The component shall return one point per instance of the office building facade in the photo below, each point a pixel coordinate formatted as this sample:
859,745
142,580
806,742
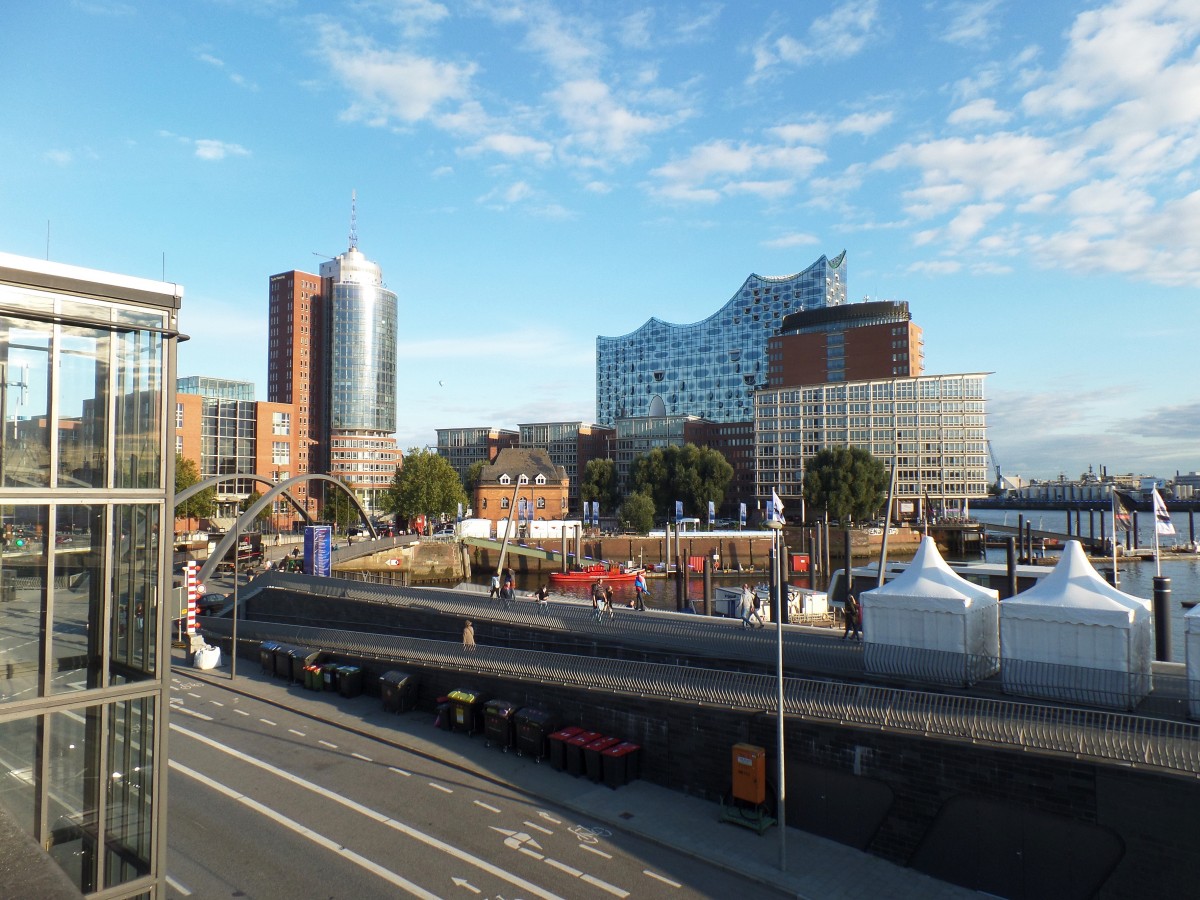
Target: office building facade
570,445
710,368
935,426
463,447
87,361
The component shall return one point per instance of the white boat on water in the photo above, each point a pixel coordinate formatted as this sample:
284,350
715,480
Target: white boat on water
801,602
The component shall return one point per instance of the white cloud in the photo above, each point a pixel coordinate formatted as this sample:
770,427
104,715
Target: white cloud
841,34
600,125
795,239
724,168
513,145
211,150
979,112
59,157
970,24
936,267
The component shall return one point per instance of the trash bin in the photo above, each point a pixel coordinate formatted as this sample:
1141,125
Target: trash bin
398,692
558,746
266,656
620,763
498,724
591,756
312,677
329,676
301,657
444,718
575,747
465,711
534,727
350,681
283,660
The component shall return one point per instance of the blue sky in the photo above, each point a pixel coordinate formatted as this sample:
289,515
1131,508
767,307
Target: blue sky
533,174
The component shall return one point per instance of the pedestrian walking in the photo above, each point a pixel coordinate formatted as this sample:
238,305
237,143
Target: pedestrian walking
640,591
746,605
755,610
852,613
597,598
608,601
543,599
507,591
495,591
468,637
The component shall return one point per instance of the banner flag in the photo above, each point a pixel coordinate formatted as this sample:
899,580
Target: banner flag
712,511
678,511
1162,516
1123,507
777,505
742,514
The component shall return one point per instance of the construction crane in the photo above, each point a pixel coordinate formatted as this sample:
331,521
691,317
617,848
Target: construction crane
998,484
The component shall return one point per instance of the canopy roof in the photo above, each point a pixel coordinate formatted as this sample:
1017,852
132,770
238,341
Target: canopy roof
930,584
1075,592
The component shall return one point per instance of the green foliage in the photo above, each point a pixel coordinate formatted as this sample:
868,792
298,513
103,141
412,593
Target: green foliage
637,513
847,482
471,480
688,473
424,484
600,483
264,514
204,503
339,510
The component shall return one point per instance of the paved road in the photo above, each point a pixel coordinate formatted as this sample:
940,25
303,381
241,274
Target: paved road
265,802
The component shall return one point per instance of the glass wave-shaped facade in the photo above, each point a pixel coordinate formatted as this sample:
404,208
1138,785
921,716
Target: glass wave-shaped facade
363,346
709,368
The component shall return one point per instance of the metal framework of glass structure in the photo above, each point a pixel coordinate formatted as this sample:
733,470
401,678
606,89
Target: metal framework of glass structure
216,388
362,346
87,367
935,425
709,368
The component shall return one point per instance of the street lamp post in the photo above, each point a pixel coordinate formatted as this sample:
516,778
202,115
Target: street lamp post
781,598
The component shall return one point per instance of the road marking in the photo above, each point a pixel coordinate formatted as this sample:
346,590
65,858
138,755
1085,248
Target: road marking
563,867
663,879
192,713
399,771
591,849
327,744
537,828
267,722
297,733
604,885
241,712
386,874
363,758
434,784
463,883
190,694
486,806
216,702
407,830
177,887
549,818
532,853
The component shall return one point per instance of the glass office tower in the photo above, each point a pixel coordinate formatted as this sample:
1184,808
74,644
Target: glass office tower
87,366
710,368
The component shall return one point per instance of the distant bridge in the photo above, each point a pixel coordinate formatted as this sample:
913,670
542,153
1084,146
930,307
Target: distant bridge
1091,544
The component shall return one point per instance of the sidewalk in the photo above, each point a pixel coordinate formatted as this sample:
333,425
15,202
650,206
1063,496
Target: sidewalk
816,868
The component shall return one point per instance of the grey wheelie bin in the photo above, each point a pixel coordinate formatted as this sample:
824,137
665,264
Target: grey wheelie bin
498,724
398,691
534,727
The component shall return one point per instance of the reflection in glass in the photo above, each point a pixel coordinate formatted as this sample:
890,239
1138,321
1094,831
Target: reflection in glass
75,647
23,597
139,379
17,771
134,592
24,392
82,407
72,779
128,837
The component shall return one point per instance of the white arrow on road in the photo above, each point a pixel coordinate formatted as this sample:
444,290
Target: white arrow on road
463,883
515,839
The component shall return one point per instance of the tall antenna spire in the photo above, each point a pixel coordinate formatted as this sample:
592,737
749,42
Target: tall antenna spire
353,220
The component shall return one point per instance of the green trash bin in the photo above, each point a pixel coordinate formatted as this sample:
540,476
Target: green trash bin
350,681
312,677
329,676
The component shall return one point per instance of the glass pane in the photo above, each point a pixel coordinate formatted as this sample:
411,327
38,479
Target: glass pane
78,598
139,382
72,776
22,600
24,393
129,840
135,592
83,407
18,772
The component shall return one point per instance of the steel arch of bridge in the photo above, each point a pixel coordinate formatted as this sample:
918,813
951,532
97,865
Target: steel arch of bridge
251,512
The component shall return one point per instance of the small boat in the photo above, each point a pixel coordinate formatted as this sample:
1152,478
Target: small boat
591,573
727,602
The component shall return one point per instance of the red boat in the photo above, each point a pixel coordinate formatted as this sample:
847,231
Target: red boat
591,573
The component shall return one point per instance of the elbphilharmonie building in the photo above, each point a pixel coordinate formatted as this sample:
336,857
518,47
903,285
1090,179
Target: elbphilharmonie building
709,368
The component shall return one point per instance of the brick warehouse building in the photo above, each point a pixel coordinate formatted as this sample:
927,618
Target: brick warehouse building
530,476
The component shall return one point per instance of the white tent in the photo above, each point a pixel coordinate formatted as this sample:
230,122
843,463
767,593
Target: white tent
1191,649
930,623
1075,637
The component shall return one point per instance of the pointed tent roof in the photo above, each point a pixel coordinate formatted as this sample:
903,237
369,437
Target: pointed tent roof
929,583
1075,592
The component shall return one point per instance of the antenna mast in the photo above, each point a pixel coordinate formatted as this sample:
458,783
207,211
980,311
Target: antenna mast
353,220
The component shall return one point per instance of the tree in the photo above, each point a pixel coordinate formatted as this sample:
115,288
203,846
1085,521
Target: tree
847,482
424,485
202,504
600,483
637,513
689,473
474,471
339,509
264,514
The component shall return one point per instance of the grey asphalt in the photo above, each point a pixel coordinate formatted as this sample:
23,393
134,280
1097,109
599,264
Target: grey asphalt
816,868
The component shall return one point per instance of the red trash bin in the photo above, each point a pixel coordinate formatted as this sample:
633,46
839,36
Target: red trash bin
575,747
591,756
620,763
558,746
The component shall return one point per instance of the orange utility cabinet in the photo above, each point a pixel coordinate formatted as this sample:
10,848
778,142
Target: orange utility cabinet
749,773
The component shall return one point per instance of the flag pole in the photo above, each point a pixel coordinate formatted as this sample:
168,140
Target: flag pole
1116,580
1157,555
